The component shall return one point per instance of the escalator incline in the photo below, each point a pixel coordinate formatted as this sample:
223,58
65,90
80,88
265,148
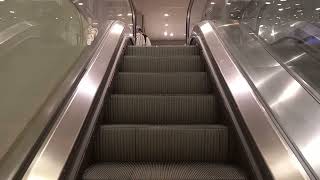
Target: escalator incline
161,121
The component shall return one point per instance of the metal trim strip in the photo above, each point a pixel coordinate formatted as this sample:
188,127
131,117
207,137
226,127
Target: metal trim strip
53,154
282,162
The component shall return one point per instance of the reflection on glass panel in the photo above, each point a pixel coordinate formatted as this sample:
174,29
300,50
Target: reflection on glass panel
40,41
197,12
290,30
102,10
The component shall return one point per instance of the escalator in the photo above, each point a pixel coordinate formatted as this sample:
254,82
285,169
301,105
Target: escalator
163,121
219,107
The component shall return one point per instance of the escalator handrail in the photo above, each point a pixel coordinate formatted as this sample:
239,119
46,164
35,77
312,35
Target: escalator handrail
20,155
188,19
269,141
54,152
134,20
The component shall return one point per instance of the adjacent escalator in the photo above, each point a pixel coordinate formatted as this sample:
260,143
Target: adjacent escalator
163,121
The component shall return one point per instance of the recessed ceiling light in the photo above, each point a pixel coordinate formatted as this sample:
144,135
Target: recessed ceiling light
80,4
119,15
166,14
283,0
129,14
268,2
212,3
165,33
12,12
171,34
281,9
317,9
2,0
166,25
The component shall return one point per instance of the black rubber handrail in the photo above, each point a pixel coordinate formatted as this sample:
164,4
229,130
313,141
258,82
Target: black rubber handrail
134,20
188,20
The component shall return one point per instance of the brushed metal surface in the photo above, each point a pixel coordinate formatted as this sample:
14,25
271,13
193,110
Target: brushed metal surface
280,159
53,154
295,109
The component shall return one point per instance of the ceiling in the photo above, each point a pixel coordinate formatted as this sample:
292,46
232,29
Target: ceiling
155,20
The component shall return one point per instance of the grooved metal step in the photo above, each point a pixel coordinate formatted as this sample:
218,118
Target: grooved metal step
174,143
160,123
162,51
151,109
162,64
156,171
161,83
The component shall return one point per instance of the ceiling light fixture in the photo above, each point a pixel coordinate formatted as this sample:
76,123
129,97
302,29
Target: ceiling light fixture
166,14
213,3
166,25
165,33
119,15
129,14
171,34
80,4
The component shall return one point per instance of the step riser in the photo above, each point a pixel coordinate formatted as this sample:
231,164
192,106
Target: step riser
125,109
159,123
153,83
163,65
157,171
162,51
162,144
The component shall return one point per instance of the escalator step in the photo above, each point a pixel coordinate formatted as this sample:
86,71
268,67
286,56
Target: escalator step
170,143
164,64
161,83
151,109
162,51
156,171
